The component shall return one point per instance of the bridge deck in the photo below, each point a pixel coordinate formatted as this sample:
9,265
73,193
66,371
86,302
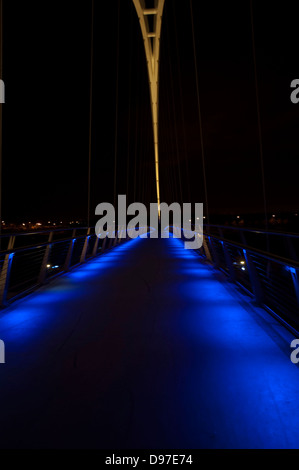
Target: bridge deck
145,347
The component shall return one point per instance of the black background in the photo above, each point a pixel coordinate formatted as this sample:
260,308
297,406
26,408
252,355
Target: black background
46,115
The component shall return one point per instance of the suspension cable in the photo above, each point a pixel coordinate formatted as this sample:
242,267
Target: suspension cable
116,104
175,123
1,111
136,133
130,96
90,110
181,103
259,121
199,116
1,114
170,150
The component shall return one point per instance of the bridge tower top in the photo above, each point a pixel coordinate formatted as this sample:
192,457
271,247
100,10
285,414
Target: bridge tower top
151,38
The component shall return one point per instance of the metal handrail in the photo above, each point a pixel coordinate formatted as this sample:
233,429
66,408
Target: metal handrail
264,254
36,258
41,232
272,280
253,230
41,244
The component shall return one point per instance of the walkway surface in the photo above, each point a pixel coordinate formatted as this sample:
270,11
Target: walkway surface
145,347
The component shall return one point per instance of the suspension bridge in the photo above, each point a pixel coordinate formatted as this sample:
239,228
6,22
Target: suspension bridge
139,343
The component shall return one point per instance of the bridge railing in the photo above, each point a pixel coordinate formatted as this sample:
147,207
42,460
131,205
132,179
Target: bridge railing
271,279
30,260
277,243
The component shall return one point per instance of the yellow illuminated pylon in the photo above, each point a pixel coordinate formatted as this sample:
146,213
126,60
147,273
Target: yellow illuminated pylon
152,52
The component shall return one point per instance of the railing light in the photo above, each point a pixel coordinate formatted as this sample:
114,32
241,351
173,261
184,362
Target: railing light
291,269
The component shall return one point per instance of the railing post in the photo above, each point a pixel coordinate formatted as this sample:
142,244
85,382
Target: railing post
95,247
294,275
5,272
229,263
111,242
253,275
121,237
214,254
115,241
291,249
243,237
85,246
70,252
206,249
227,257
43,269
254,279
104,245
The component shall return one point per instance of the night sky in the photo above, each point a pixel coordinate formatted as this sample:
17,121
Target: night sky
46,116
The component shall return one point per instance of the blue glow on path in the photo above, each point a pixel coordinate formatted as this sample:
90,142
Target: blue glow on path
145,347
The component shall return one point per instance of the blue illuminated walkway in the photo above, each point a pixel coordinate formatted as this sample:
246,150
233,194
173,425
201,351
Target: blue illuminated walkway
145,347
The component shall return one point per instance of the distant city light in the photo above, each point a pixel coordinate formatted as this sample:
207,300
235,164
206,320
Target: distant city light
238,216
273,215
